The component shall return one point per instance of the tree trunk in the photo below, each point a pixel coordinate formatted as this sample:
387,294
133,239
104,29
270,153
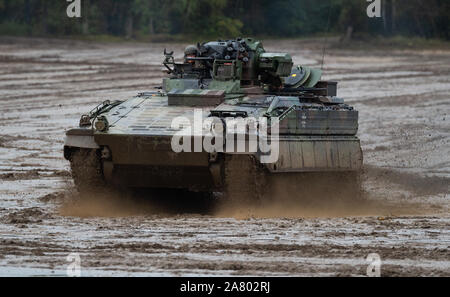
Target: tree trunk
129,26
85,16
383,15
151,28
432,13
28,17
393,15
419,25
44,19
348,34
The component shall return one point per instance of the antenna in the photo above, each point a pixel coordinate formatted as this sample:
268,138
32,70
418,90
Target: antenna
326,32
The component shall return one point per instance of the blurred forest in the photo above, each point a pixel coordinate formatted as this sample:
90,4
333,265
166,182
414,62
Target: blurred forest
225,18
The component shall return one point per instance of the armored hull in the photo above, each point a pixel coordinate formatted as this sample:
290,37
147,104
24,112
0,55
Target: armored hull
189,135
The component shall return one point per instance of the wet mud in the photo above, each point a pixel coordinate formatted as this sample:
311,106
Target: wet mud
403,214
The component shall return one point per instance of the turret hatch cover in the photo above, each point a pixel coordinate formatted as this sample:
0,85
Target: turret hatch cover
297,77
314,78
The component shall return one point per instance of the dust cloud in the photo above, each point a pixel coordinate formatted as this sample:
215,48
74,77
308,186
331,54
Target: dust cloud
290,197
301,196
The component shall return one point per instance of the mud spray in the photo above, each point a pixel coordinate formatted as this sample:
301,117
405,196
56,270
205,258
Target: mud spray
384,193
286,197
135,203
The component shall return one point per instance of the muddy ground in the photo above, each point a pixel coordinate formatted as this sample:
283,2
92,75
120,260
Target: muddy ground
404,103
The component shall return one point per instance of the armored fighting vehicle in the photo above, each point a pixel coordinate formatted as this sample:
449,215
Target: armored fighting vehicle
231,118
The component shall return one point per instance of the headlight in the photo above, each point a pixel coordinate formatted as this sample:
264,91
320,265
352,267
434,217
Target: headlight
101,124
85,120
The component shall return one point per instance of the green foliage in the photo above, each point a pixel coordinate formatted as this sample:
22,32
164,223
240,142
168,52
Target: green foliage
227,27
12,28
225,18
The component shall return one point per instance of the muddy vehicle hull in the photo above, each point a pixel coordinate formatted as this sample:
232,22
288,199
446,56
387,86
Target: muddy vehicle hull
145,157
293,123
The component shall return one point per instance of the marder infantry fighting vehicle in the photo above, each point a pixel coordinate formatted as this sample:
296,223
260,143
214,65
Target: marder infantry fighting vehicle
189,133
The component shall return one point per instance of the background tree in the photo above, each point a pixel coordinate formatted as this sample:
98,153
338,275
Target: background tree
225,18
